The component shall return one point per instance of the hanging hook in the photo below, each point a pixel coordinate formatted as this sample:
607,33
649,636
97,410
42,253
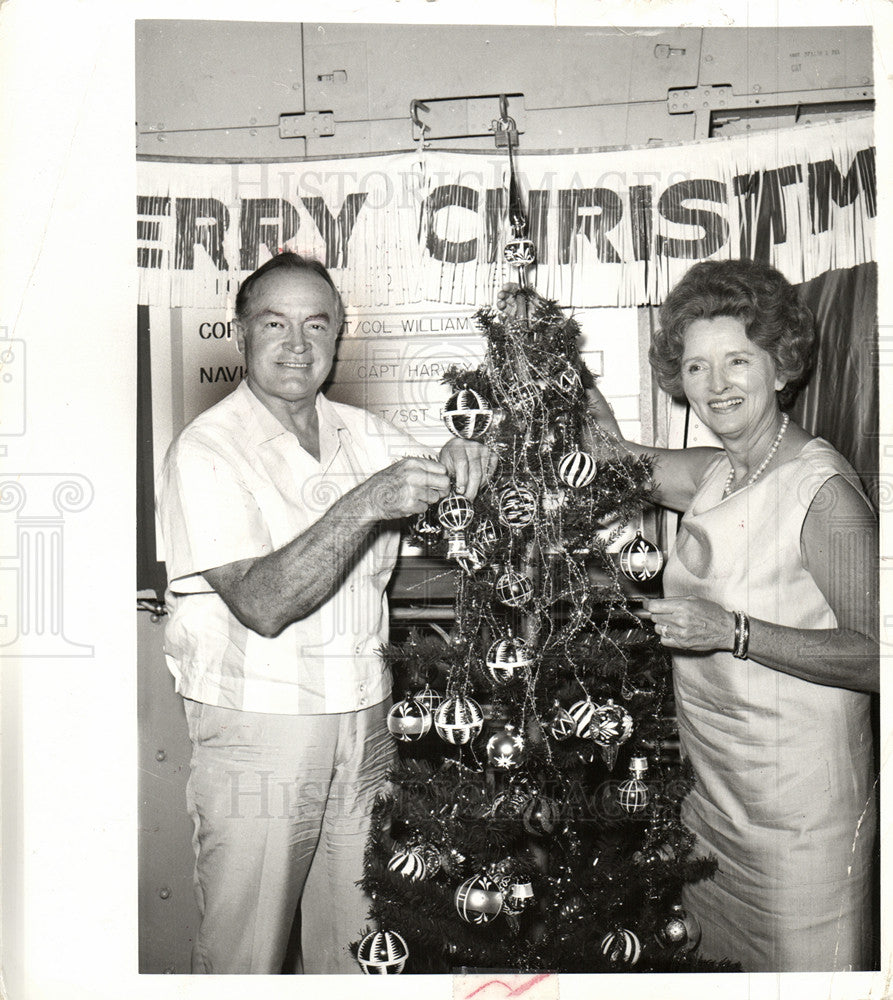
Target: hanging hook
415,106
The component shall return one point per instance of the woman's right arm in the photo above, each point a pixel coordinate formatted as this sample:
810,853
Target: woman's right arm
677,471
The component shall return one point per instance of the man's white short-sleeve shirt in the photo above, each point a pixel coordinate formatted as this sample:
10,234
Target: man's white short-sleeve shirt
237,485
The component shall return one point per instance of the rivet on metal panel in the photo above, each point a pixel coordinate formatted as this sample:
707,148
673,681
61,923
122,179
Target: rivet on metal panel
252,121
757,88
297,85
160,125
252,131
708,58
169,971
162,138
164,892
160,755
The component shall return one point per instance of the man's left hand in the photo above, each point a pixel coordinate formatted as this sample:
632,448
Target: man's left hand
470,463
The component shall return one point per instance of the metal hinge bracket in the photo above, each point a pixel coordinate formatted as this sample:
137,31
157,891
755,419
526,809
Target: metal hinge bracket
310,123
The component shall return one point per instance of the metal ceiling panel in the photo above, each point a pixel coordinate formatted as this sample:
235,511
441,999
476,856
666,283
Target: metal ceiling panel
216,74
373,71
778,60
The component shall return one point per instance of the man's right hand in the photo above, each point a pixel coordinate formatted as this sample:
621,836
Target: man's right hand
406,487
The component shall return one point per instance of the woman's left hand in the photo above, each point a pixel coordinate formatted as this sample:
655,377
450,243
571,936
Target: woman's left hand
690,623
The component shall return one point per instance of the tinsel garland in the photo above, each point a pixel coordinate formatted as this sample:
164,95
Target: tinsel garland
553,818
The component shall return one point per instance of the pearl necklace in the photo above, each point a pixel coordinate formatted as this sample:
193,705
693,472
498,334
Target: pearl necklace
769,456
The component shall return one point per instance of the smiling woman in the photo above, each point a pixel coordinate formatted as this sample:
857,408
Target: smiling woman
770,611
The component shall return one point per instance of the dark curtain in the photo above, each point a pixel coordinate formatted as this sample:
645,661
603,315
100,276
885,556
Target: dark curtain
840,401
150,573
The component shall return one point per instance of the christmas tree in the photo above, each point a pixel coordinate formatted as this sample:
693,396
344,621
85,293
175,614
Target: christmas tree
533,819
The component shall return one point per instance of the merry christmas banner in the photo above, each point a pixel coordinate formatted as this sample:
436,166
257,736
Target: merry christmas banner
612,228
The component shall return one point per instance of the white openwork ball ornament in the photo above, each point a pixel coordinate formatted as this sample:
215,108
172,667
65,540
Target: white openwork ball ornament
455,512
459,720
508,657
428,698
514,589
382,953
467,414
577,469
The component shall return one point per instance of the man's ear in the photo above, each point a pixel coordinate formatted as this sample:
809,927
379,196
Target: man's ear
240,335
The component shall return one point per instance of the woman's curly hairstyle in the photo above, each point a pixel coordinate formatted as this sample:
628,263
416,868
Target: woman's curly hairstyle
767,304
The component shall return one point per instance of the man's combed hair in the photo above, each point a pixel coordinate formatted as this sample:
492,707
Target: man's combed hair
290,262
760,297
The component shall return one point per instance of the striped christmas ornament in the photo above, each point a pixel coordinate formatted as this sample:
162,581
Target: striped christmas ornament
478,900
576,469
582,714
621,947
541,815
517,507
409,863
382,953
467,414
506,658
408,720
459,720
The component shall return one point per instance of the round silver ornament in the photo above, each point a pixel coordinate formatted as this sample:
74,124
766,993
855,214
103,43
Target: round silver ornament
478,900
640,559
408,720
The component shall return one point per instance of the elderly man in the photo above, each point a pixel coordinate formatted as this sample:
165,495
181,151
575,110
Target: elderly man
277,509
